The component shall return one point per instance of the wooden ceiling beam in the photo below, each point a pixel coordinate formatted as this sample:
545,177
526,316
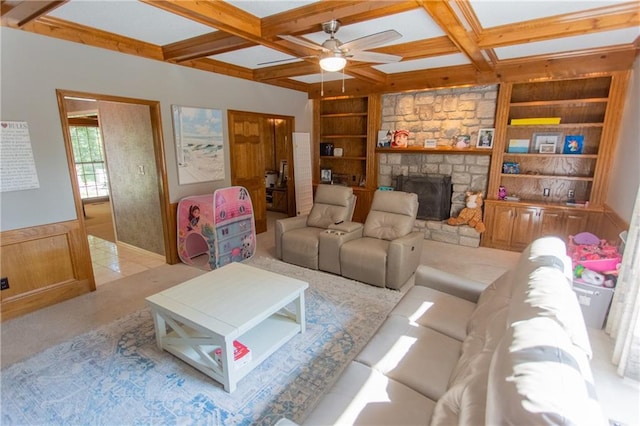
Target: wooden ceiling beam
308,19
205,45
16,14
444,15
65,30
606,18
421,48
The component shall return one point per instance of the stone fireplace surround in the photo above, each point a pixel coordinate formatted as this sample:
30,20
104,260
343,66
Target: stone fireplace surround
441,115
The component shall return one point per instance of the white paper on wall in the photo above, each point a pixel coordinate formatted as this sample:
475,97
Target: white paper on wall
302,171
17,166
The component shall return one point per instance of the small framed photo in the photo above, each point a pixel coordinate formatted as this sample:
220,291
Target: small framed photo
384,138
485,138
430,143
547,148
463,141
325,175
573,144
546,138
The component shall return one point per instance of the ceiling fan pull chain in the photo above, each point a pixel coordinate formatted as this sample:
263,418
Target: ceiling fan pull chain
321,82
342,80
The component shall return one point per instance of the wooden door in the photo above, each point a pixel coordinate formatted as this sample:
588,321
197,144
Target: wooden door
247,161
499,221
551,223
574,223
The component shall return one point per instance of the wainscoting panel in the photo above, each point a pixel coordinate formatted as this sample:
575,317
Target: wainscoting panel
44,265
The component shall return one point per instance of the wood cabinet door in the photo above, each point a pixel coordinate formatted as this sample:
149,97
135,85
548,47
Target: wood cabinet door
247,161
552,223
575,222
500,225
525,226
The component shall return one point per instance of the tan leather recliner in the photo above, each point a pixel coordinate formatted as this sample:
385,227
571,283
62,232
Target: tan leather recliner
389,251
297,238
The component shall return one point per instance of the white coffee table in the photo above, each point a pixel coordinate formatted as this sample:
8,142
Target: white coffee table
235,302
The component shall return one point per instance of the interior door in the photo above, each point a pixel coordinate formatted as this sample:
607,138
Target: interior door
247,161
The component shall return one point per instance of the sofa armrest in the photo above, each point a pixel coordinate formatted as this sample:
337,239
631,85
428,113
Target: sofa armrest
346,227
403,258
285,225
452,284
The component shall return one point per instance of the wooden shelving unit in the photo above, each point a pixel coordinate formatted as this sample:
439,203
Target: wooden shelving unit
349,123
586,106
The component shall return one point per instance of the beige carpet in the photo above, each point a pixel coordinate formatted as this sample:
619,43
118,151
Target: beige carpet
98,220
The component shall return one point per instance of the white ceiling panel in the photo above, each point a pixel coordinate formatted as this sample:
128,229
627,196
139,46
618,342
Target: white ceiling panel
263,8
131,19
492,13
566,44
413,25
426,63
252,56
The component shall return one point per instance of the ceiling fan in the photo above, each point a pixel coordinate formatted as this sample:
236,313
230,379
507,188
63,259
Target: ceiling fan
334,54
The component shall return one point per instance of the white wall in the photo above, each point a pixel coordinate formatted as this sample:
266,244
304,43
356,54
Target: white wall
33,67
625,172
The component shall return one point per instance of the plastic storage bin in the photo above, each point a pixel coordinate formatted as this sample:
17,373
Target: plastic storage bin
594,301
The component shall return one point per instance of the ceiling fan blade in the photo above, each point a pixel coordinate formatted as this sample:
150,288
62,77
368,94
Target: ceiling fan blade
370,41
303,42
373,57
279,61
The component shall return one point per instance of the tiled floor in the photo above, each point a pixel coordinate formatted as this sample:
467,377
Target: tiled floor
114,261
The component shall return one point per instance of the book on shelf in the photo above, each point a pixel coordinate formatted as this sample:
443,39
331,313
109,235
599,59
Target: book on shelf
534,121
241,354
518,145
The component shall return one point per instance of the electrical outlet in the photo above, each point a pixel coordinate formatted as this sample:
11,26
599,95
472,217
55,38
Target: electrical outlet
4,283
572,193
546,192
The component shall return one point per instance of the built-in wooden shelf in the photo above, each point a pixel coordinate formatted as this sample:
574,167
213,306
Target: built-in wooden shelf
560,177
442,150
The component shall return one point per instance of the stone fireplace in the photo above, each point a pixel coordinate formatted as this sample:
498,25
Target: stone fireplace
441,115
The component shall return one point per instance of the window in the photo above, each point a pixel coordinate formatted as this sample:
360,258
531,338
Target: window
89,161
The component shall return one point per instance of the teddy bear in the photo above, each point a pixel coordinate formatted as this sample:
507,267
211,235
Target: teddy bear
472,213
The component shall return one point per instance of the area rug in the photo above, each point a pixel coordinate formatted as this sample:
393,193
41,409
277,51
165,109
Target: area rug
117,375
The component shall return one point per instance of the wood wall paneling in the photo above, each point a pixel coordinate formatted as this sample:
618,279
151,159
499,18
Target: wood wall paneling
45,265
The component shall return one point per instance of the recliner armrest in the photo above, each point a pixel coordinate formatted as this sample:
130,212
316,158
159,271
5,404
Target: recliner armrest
346,226
285,225
446,282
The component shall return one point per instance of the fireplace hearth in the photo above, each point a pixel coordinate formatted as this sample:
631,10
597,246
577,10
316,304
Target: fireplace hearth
434,194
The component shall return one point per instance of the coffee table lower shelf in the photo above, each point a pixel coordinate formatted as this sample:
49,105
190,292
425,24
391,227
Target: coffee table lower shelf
263,340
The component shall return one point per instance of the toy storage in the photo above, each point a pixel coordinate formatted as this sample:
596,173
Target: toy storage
219,225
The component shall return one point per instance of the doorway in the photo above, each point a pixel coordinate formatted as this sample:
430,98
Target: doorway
134,161
261,154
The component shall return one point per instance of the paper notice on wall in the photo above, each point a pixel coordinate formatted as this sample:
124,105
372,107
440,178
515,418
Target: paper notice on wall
17,167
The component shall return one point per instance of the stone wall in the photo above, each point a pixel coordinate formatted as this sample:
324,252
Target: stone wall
441,115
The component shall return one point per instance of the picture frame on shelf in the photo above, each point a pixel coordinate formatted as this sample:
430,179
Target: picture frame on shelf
520,146
340,179
430,143
547,148
325,175
384,138
463,141
546,137
485,138
573,144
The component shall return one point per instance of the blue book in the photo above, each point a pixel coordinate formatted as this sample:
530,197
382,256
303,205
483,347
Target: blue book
573,144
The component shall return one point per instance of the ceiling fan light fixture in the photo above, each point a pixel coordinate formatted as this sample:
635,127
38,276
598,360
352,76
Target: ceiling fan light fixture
332,63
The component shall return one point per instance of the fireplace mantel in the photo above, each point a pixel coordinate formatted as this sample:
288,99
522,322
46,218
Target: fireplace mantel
443,150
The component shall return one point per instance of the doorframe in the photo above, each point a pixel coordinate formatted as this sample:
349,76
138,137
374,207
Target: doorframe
158,149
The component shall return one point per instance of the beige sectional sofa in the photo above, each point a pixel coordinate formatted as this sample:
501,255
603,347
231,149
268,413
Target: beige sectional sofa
455,351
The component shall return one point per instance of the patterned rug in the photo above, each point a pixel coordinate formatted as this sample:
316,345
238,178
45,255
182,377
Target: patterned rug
117,375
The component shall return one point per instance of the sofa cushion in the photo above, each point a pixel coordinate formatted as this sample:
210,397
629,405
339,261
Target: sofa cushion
548,293
464,403
437,310
537,376
392,215
364,396
300,246
365,259
331,204
416,356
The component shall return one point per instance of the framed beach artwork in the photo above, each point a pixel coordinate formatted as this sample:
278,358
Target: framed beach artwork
199,144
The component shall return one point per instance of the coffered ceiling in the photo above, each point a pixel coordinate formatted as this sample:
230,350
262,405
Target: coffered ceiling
444,42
